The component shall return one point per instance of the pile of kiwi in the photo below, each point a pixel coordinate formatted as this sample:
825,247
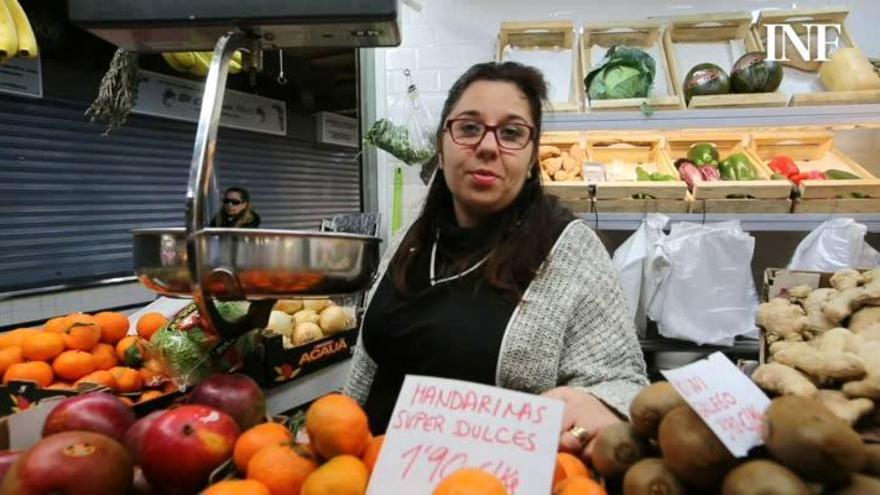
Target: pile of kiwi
667,449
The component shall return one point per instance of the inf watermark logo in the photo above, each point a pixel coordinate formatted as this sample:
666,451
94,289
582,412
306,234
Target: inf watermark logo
816,33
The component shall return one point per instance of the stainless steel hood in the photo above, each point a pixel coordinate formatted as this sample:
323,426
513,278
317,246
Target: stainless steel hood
176,25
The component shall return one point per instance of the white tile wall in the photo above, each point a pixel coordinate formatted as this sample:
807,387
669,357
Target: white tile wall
448,36
43,307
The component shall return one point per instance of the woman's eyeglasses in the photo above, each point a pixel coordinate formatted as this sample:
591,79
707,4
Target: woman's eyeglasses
233,202
469,132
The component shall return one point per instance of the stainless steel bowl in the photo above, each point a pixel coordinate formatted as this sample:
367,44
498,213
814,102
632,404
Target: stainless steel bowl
256,263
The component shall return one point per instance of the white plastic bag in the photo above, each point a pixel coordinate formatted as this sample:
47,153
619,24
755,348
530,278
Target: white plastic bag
836,244
701,287
630,262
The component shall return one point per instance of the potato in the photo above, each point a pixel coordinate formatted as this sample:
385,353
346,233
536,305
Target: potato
289,306
316,305
306,316
334,319
306,332
280,323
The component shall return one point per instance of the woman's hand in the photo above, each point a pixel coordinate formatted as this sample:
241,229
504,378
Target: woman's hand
582,410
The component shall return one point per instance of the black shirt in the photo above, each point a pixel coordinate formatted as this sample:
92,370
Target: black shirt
452,330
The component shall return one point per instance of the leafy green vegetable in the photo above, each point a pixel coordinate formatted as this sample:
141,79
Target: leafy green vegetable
624,72
185,354
395,139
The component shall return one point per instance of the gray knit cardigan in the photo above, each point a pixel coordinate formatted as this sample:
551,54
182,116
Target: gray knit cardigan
571,328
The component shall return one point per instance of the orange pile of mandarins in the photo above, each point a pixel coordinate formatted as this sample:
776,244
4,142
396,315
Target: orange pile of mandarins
77,349
340,456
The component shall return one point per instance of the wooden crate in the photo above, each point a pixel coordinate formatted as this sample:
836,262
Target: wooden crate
598,38
719,39
720,196
575,194
801,77
534,44
632,149
815,150
630,205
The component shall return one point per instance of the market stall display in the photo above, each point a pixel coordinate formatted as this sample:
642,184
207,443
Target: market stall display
723,175
825,178
551,47
845,78
634,74
702,50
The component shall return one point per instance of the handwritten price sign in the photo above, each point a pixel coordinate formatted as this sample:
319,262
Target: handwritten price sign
440,426
727,400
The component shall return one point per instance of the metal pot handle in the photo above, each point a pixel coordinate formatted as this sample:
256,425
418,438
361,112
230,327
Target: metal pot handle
200,173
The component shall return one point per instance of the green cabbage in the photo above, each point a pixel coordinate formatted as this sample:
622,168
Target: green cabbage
624,73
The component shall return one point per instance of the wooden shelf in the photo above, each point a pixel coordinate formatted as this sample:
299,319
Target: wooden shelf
832,116
751,222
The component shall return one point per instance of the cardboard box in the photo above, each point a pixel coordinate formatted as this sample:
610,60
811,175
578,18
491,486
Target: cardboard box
273,364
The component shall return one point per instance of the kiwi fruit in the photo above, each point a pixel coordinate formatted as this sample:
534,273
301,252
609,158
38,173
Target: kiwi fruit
872,465
651,476
650,405
692,451
859,485
805,436
762,477
616,448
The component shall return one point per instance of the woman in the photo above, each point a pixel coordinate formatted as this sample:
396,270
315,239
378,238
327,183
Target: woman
237,211
496,283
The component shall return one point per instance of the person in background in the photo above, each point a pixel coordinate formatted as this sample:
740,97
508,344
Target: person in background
237,211
495,282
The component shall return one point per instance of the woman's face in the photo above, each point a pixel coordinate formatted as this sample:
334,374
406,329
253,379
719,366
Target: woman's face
233,204
485,176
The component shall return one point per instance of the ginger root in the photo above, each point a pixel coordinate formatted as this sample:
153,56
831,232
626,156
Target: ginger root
846,279
800,292
869,386
864,318
782,320
823,365
783,380
844,303
817,322
849,410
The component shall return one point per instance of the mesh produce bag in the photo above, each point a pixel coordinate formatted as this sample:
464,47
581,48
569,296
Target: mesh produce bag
407,133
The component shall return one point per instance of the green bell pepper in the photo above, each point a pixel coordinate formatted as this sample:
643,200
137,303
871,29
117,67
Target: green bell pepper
703,154
742,167
726,169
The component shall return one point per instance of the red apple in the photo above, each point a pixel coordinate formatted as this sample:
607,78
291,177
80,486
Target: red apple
134,437
7,458
72,463
99,412
183,446
237,395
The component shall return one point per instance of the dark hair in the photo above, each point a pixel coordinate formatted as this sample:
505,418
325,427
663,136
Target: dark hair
241,192
528,227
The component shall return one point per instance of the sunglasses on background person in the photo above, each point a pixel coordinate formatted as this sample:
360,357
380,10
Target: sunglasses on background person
233,202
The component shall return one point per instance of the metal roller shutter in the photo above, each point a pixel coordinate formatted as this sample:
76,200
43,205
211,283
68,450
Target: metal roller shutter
70,196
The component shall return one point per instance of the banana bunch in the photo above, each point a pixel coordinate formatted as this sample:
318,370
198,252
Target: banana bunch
197,63
16,36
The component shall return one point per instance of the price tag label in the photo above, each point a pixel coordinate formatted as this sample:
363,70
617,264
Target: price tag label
440,426
726,399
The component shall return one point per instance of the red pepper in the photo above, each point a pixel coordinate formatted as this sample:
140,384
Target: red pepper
785,166
811,175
